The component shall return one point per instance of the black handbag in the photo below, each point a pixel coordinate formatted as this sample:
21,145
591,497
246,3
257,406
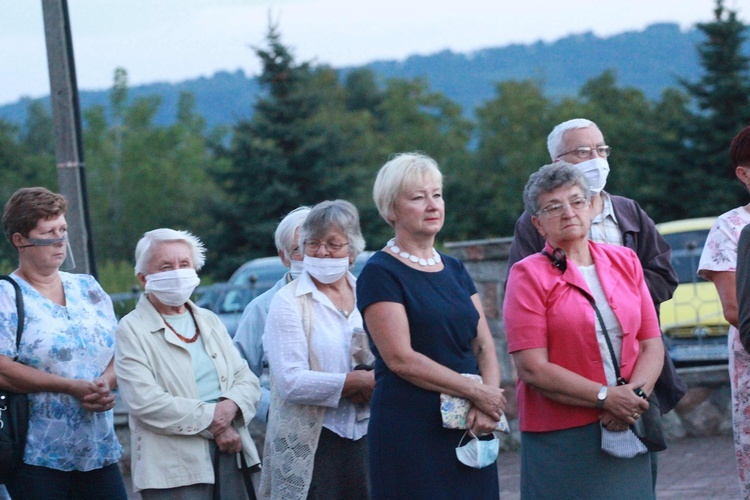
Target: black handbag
14,409
648,427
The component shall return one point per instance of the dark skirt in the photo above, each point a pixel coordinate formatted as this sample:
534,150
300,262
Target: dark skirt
570,464
341,469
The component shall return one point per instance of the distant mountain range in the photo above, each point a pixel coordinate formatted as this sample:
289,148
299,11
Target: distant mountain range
651,60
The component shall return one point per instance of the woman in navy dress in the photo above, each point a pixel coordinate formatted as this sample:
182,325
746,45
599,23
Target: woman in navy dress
427,326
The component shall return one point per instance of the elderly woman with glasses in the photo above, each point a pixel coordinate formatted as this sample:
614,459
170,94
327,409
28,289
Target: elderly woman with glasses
577,315
316,443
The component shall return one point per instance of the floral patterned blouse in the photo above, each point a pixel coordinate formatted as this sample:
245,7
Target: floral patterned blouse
720,250
74,341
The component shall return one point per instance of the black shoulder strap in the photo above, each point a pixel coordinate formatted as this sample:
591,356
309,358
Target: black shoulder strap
19,307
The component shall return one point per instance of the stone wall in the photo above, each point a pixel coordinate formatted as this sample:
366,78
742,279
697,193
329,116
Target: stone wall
705,410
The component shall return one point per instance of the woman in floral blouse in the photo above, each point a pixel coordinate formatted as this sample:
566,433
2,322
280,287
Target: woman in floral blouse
65,360
718,264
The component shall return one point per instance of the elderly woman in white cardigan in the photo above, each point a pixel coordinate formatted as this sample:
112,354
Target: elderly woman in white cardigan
316,444
188,392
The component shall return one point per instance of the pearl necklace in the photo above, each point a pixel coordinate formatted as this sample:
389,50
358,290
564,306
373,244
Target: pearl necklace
413,258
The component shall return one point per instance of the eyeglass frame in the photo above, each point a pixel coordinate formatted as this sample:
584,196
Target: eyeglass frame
562,206
583,149
314,245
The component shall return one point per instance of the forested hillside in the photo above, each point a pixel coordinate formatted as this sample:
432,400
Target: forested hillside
650,60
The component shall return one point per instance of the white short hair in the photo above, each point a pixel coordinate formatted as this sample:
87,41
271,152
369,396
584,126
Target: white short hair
556,137
403,172
284,237
144,250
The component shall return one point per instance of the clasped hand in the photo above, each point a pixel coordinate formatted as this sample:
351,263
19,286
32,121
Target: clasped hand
622,407
94,395
361,384
491,401
226,437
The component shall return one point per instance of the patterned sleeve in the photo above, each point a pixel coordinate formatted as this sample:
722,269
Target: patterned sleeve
720,251
8,319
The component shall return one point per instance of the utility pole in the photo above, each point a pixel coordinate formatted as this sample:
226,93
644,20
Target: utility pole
66,115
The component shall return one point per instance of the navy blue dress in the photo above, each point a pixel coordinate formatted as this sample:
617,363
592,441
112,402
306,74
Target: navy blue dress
411,454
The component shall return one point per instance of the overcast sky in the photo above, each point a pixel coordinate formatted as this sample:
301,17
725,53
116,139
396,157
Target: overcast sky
173,40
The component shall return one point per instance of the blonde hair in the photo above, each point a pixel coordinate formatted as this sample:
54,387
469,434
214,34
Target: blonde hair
403,172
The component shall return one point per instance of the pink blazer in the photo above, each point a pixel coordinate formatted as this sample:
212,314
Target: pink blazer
545,308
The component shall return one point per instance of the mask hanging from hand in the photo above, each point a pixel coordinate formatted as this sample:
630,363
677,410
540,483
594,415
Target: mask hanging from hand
596,171
477,453
326,270
173,288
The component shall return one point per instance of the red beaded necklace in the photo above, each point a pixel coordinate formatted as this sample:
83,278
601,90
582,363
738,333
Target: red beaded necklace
185,339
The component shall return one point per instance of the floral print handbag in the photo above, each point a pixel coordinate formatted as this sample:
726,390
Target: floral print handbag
454,410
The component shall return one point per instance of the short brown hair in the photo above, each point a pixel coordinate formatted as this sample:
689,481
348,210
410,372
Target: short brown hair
739,151
27,207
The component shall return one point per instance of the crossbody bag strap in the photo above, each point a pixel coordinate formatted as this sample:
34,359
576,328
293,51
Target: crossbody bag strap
19,309
616,365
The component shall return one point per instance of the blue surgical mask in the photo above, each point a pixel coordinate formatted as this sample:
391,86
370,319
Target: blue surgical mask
477,453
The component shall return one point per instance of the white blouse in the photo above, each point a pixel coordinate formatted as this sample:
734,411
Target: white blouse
610,321
285,343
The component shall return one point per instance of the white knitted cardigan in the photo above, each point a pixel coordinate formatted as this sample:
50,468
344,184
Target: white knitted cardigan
292,433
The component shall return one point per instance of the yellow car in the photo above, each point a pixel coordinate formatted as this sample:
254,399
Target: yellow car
695,331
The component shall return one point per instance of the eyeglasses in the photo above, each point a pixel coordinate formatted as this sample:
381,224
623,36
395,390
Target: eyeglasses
585,152
296,252
314,245
558,209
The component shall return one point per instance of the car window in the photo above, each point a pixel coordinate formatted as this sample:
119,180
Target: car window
687,247
235,300
263,273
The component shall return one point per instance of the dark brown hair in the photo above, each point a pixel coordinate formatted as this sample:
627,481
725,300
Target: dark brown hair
739,150
27,207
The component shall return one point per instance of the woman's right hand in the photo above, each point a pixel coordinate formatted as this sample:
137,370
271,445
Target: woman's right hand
490,400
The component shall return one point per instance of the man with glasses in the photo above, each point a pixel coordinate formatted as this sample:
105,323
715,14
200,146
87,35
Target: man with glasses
615,220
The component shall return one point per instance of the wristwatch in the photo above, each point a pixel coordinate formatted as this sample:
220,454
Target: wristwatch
601,397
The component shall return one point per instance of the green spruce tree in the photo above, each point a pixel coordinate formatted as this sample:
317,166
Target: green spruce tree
722,96
294,151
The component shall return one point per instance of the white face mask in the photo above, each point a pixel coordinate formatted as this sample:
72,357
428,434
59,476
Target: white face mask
172,288
297,266
596,171
476,453
326,270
